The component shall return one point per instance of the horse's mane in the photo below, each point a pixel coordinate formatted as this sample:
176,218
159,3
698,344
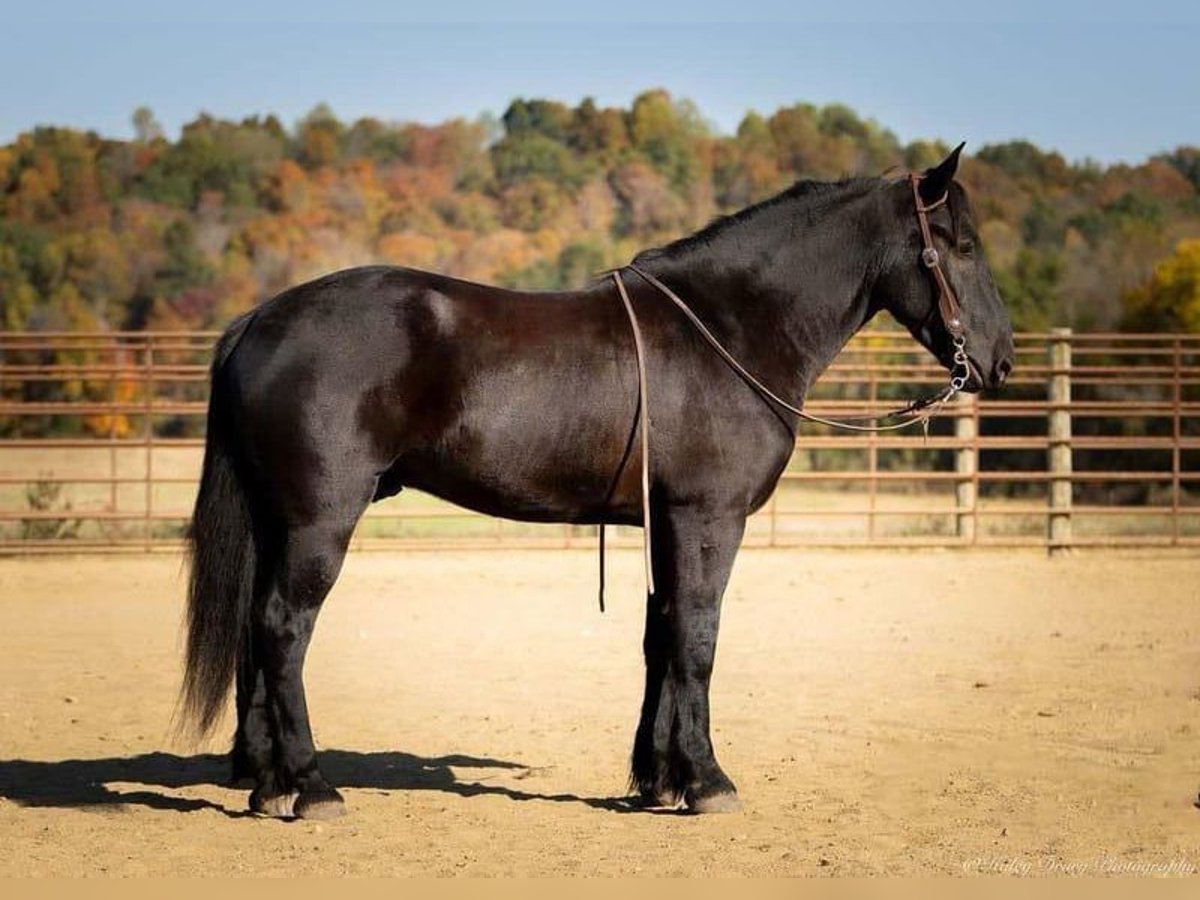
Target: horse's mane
805,194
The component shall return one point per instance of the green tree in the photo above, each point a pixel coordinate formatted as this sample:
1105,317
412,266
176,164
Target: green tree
1030,290
1187,161
319,137
214,155
668,133
146,128
598,132
547,118
1024,160
533,155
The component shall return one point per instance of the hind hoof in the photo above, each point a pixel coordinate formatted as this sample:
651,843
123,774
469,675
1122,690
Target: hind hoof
320,805
724,802
279,806
653,800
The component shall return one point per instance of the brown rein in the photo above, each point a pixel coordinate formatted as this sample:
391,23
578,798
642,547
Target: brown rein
917,411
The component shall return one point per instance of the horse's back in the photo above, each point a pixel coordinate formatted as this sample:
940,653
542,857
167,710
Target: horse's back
479,394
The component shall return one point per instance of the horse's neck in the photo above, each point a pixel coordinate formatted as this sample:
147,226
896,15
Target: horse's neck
784,307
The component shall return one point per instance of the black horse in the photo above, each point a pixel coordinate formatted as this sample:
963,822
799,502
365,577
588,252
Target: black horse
347,389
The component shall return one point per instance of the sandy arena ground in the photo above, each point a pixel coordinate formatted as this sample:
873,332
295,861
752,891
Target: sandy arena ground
882,713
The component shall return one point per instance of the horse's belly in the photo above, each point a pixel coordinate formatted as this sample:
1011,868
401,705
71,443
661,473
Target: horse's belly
531,473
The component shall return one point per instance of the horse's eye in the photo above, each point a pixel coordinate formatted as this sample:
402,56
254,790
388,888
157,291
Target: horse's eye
966,247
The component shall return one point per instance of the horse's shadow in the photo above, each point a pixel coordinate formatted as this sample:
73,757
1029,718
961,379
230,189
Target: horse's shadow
82,783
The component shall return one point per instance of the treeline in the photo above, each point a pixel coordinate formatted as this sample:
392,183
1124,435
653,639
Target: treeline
97,233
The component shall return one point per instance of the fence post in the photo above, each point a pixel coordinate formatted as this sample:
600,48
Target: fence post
773,539
1177,438
148,520
966,463
1059,453
872,454
113,487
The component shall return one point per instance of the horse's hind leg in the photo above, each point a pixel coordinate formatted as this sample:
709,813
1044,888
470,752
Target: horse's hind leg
673,756
652,776
311,559
253,750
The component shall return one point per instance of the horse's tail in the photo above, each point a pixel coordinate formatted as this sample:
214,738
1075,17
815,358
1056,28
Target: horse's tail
223,556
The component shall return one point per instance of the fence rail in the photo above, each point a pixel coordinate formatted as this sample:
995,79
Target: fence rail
1096,441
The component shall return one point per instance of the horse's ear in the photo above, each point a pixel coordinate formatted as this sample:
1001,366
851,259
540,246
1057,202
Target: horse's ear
936,181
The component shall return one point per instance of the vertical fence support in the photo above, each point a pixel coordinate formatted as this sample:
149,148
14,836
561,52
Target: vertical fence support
1059,453
872,454
113,472
148,522
1177,441
966,465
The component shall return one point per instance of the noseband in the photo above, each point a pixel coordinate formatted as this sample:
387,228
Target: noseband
918,411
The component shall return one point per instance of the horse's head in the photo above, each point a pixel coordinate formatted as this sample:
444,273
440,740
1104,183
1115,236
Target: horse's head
910,286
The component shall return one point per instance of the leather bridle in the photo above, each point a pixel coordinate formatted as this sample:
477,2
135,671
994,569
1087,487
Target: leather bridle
918,411
947,301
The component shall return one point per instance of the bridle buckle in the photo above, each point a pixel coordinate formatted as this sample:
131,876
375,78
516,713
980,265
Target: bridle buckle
929,256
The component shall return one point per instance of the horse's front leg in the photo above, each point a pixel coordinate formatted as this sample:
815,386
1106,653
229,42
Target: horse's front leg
673,755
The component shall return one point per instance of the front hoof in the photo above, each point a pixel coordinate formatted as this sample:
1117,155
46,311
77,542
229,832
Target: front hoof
723,802
278,806
327,804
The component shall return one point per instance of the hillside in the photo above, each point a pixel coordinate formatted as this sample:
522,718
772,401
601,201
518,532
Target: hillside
97,233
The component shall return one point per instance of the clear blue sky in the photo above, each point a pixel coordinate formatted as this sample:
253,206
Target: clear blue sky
1089,79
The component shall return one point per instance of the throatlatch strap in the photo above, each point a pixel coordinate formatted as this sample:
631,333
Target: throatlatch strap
644,426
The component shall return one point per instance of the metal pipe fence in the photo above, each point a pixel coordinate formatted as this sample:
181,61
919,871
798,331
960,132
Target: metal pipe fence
1094,442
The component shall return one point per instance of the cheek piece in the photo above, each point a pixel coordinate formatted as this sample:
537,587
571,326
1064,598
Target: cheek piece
947,301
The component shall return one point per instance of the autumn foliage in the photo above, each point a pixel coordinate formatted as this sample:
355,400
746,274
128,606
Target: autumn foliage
1170,299
102,234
